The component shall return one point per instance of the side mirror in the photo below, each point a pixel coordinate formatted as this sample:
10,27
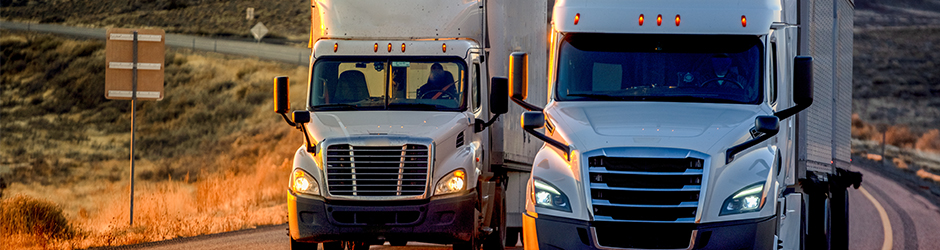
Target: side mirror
767,124
803,80
499,93
300,117
519,75
533,120
281,95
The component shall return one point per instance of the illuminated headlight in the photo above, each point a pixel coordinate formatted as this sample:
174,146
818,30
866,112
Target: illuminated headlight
548,196
451,183
749,199
301,182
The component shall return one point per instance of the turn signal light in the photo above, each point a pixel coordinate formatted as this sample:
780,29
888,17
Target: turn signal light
743,21
677,20
641,20
402,47
375,48
335,46
577,18
389,47
444,47
659,20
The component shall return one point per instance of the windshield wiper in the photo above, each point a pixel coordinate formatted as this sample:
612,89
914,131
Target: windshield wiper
337,106
413,106
603,97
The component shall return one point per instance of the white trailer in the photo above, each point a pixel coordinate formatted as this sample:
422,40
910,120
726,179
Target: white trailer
684,124
403,140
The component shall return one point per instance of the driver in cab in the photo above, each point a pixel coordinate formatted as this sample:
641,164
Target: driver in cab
440,85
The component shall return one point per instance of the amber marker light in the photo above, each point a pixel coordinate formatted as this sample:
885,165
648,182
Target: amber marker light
402,47
659,20
375,48
335,46
444,47
577,18
743,21
677,20
641,20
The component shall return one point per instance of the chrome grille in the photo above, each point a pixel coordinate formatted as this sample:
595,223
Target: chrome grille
377,171
645,189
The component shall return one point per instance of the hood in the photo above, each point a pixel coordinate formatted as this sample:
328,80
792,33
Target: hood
696,126
397,123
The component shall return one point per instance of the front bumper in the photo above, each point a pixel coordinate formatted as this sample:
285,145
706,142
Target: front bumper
435,220
561,233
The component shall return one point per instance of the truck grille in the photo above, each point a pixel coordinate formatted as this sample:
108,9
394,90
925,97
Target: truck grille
377,171
645,189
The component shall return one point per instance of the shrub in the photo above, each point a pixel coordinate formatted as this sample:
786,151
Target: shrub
901,136
22,214
929,142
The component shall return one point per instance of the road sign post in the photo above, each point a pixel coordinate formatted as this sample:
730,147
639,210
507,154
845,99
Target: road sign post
127,52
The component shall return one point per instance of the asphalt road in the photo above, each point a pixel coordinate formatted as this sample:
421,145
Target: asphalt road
880,208
288,54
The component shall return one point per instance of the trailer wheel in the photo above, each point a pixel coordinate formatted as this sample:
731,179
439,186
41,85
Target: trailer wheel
839,216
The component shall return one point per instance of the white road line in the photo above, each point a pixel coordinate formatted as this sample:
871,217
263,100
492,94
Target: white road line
885,223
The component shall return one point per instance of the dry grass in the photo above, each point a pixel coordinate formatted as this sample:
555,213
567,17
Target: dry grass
928,175
212,157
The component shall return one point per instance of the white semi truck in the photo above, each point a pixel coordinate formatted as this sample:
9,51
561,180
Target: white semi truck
689,124
403,135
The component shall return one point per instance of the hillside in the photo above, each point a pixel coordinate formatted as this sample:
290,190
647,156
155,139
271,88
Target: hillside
219,18
198,150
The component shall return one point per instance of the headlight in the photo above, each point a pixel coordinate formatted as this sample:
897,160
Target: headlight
749,199
548,196
451,183
301,182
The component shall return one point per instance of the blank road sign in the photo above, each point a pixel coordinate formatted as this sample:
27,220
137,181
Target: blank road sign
119,63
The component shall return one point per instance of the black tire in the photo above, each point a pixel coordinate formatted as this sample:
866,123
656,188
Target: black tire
297,245
512,236
398,243
495,240
839,230
345,245
819,227
474,242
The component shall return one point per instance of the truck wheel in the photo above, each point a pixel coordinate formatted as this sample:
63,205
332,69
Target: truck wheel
819,228
345,245
295,245
474,242
512,236
839,230
495,240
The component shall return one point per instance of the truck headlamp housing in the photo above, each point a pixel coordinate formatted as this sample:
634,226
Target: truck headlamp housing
548,196
748,199
302,183
451,183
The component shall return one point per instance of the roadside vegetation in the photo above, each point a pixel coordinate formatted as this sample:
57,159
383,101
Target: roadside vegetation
211,156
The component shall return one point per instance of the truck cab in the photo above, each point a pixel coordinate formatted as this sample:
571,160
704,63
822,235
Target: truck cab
402,136
672,125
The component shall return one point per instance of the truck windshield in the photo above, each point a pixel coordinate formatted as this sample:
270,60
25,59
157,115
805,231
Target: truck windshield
672,68
388,84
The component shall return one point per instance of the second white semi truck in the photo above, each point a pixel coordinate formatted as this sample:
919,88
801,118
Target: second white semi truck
403,135
689,124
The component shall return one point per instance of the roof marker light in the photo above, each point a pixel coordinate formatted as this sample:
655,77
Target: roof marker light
389,47
577,18
659,20
677,20
335,46
743,21
375,48
402,47
444,47
641,20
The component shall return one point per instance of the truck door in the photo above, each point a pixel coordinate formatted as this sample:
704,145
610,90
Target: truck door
479,101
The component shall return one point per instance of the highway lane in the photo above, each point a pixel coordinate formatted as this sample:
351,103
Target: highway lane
914,221
288,54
